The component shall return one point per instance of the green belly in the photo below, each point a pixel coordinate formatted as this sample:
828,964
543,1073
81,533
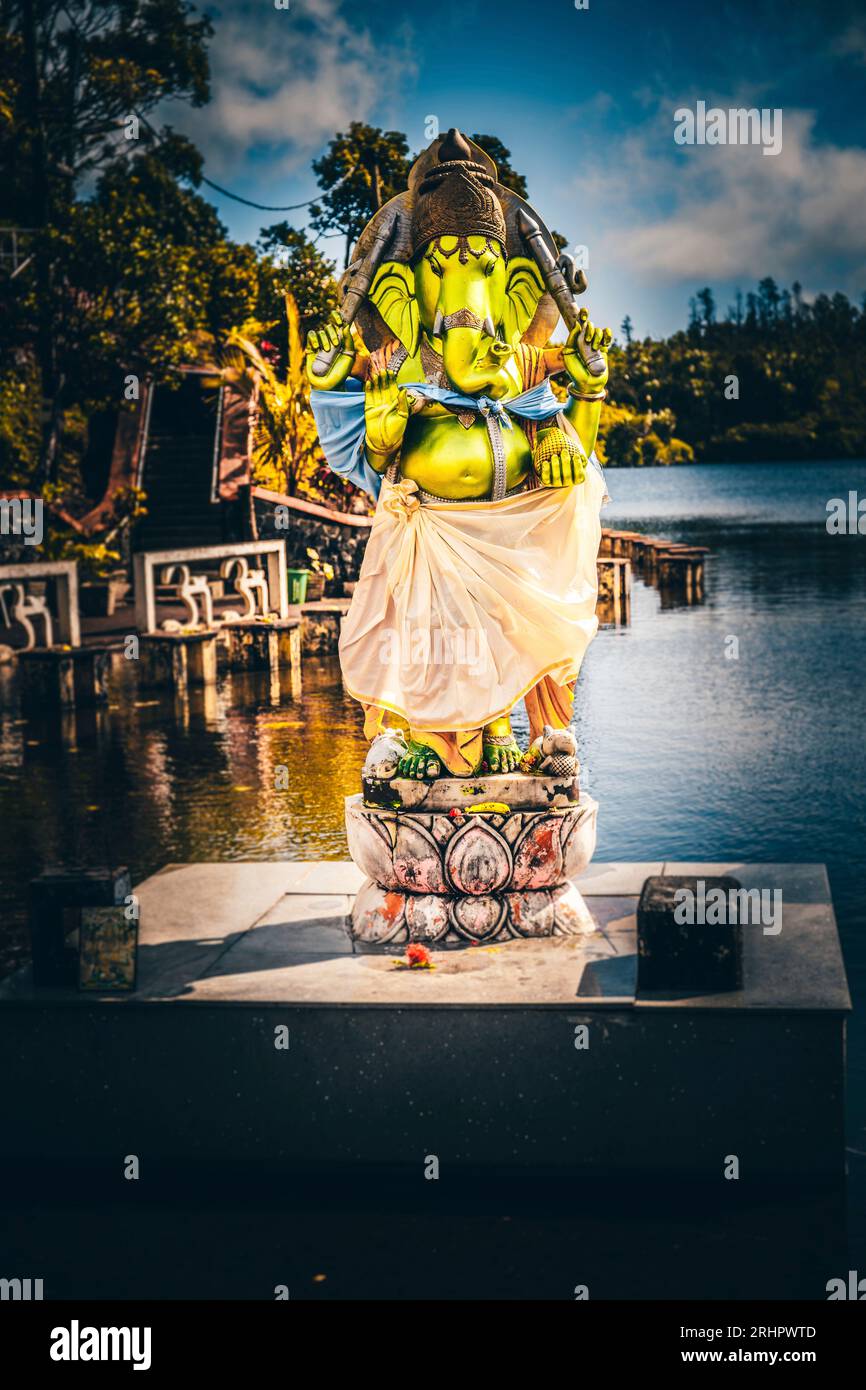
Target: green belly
444,458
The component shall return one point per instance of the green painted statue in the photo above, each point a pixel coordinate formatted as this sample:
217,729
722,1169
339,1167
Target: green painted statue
478,586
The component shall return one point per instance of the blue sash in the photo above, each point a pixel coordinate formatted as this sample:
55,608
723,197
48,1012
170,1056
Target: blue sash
339,417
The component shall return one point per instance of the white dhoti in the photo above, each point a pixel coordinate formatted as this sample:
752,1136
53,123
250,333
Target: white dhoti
462,609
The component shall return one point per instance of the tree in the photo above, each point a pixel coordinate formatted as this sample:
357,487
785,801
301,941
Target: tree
77,81
626,328
501,156
295,265
360,171
735,312
85,67
142,269
768,301
142,273
706,306
287,456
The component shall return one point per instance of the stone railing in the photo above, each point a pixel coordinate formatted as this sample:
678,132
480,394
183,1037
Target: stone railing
43,600
250,574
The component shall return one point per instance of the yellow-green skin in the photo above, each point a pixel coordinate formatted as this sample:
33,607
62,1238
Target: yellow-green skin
435,450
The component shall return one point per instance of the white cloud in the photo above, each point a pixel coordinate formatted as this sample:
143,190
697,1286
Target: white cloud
727,212
284,81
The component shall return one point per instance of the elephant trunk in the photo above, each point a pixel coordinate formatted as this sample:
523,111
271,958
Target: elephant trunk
473,360
461,350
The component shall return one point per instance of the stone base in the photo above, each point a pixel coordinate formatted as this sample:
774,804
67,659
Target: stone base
472,853
258,646
178,660
389,919
526,791
479,1053
248,646
64,677
460,877
320,625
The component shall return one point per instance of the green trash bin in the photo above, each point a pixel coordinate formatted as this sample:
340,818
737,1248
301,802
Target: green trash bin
297,580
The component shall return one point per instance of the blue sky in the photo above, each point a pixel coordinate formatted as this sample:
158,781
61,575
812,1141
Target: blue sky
585,100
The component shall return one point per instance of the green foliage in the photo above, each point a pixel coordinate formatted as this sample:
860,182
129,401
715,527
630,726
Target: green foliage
287,456
133,272
295,266
628,439
146,268
501,156
799,369
361,169
98,62
20,429
101,554
77,81
141,273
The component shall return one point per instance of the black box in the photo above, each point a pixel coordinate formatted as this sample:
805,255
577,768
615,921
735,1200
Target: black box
56,899
678,949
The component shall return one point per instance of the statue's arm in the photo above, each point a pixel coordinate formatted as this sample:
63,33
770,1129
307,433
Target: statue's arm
586,389
584,416
348,360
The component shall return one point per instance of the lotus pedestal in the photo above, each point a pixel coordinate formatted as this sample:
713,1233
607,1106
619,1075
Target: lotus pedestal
445,875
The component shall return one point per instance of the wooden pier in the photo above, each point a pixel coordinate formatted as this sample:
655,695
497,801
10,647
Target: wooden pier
614,589
670,566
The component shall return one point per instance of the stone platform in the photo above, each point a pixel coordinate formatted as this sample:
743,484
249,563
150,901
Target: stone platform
529,1056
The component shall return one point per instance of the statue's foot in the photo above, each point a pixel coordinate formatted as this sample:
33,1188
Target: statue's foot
502,755
420,762
499,747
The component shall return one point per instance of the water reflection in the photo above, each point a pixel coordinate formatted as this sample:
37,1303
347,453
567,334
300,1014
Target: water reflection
691,754
155,779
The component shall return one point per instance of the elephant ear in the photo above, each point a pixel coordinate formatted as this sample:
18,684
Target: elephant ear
393,293
524,290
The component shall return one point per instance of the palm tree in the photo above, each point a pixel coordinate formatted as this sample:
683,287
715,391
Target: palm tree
286,451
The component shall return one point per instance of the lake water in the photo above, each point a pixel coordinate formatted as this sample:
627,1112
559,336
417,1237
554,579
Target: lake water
691,754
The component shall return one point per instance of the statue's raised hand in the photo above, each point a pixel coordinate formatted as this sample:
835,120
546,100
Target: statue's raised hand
585,355
386,410
333,334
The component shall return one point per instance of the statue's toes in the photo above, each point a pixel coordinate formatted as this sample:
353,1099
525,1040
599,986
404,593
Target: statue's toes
433,768
419,769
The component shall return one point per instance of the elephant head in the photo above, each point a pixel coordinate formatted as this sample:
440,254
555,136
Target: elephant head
458,283
472,303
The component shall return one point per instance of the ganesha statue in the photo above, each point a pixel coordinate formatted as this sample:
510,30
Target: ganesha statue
432,389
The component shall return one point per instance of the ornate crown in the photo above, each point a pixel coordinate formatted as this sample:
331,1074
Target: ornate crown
456,198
